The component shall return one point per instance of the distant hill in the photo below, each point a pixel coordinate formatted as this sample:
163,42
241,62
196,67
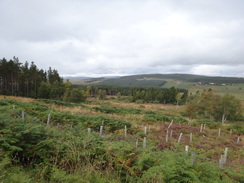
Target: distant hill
159,80
76,77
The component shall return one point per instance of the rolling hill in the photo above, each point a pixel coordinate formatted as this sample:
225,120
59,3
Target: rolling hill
159,80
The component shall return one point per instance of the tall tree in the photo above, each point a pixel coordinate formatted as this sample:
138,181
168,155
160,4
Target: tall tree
53,76
25,79
57,90
44,90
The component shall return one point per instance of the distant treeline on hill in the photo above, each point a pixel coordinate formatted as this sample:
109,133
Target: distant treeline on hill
191,78
158,80
141,94
124,81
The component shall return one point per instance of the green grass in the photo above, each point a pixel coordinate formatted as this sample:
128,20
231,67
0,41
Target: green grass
235,90
179,84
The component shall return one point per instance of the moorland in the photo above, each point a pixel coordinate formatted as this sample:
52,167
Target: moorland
182,130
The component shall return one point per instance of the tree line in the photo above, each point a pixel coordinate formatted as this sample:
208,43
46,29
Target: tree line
26,80
140,94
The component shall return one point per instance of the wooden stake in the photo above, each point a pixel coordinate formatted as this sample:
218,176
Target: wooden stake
23,115
89,130
187,149
238,140
101,131
137,143
144,143
219,132
190,137
167,136
170,123
221,162
179,137
171,133
145,129
125,131
201,128
225,154
230,131
48,119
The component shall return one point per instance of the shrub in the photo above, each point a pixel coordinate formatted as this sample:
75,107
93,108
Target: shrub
210,124
237,128
156,117
116,110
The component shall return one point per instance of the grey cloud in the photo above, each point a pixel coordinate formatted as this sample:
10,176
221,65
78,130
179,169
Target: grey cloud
125,37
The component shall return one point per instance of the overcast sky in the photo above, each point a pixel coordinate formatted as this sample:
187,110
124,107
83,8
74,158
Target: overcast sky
124,37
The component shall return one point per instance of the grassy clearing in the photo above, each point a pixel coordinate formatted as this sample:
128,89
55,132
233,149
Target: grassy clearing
235,90
178,84
21,99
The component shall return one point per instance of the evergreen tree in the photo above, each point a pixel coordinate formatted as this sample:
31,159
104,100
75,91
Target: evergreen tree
25,79
57,90
44,90
77,95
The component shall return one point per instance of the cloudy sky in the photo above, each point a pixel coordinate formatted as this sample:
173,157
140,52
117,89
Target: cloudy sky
124,37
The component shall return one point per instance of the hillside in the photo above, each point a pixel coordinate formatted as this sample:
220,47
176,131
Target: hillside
193,83
159,80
